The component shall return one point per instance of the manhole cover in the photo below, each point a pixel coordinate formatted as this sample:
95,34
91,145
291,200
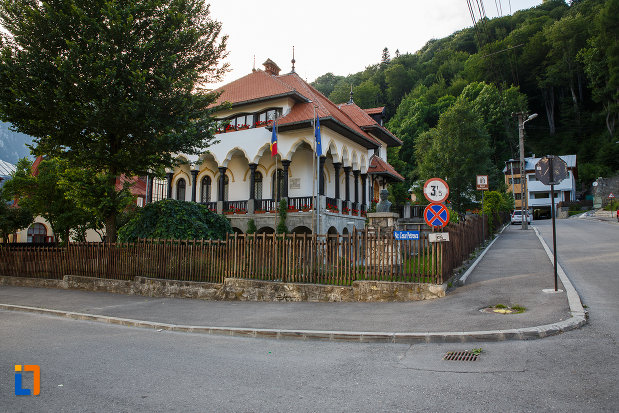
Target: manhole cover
461,356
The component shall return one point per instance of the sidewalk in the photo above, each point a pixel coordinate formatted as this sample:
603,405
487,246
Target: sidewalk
513,272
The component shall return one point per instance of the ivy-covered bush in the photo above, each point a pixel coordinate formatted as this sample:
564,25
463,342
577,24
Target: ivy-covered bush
172,219
494,203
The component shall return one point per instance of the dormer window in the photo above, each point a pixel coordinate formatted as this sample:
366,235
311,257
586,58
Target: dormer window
248,120
267,117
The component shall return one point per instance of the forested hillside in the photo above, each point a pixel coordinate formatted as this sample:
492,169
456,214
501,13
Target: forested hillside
452,101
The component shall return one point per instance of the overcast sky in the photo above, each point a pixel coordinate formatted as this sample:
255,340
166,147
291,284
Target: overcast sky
339,36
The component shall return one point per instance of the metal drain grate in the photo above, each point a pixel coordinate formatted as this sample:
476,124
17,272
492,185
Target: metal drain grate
460,356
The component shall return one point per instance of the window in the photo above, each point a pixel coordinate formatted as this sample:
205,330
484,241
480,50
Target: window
514,181
37,233
258,185
532,178
226,186
205,190
267,117
541,195
180,189
278,188
518,196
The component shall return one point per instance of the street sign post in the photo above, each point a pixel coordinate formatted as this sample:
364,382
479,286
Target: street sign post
436,215
436,190
551,170
482,185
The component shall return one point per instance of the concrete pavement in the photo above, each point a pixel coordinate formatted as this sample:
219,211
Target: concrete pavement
514,271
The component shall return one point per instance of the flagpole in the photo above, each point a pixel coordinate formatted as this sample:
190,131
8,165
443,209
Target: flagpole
314,174
276,181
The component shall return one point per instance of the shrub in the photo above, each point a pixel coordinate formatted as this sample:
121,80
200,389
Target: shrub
283,214
173,219
251,227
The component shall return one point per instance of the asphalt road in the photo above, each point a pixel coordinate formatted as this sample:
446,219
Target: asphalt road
89,366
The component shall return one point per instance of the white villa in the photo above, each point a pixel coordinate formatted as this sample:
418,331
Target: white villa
238,176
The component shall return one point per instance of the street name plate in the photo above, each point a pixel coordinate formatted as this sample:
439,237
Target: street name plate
438,236
406,235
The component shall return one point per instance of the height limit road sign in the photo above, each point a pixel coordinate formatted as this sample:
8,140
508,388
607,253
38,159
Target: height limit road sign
436,190
436,215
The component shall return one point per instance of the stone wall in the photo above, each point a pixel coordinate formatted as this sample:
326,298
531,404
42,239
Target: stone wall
235,289
604,187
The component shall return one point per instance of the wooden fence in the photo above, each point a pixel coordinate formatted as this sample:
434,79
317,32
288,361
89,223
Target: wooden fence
330,259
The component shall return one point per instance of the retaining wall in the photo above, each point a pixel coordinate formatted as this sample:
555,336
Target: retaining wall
235,289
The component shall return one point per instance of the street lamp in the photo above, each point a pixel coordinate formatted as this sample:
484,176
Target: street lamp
524,205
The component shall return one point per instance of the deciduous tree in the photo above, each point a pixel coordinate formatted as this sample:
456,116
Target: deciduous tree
113,86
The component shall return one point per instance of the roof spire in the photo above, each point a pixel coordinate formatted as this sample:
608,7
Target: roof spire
293,61
254,68
351,101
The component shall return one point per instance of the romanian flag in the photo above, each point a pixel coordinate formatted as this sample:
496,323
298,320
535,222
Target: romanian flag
274,141
318,139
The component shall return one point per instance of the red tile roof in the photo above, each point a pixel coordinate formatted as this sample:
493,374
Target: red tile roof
324,108
257,85
137,185
380,167
368,124
358,115
374,111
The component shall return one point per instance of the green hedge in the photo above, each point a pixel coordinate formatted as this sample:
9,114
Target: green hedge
172,219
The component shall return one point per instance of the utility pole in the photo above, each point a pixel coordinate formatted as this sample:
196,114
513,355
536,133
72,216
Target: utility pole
524,204
522,171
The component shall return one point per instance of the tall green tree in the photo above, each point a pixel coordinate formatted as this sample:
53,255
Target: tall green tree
456,150
113,86
45,195
12,217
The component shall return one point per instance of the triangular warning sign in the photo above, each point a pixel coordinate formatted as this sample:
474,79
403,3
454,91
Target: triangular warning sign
611,195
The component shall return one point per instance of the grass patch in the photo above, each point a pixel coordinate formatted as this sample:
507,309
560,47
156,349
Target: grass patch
518,309
500,306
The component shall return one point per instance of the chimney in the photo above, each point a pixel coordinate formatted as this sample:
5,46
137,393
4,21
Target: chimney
271,67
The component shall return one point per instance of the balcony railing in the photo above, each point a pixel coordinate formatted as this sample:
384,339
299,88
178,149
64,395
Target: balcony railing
210,205
235,207
266,205
301,203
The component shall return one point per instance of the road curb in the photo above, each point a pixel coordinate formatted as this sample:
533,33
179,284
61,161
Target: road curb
573,298
526,333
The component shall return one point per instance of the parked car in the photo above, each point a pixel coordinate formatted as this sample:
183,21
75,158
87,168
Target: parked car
517,217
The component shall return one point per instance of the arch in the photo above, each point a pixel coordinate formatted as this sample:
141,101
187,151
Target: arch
332,231
301,229
345,156
345,231
208,156
37,233
363,164
296,146
265,230
332,149
261,151
237,230
231,153
354,160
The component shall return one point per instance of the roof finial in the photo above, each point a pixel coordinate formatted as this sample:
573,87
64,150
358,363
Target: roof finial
351,101
293,61
254,68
